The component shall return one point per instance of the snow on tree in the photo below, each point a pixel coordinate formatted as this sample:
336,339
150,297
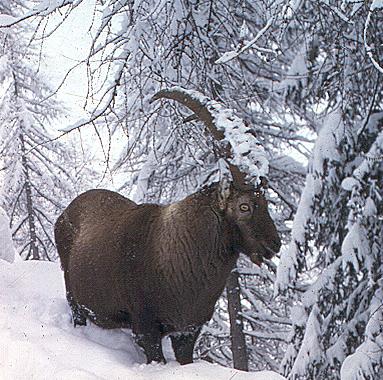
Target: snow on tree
347,251
36,183
366,361
333,265
7,250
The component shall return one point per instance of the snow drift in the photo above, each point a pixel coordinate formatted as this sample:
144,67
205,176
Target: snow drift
7,251
39,342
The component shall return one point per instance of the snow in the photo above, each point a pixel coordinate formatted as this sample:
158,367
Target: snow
6,20
244,30
144,175
297,71
326,147
310,349
353,365
349,183
298,315
328,141
7,251
376,4
4,65
360,365
287,163
287,268
355,246
38,340
370,208
226,57
42,8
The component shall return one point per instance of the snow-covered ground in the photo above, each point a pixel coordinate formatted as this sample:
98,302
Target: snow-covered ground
38,341
7,252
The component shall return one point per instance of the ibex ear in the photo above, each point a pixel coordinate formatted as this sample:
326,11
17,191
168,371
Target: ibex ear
263,185
223,192
225,179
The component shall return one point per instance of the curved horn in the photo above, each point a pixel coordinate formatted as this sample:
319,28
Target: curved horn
205,109
197,103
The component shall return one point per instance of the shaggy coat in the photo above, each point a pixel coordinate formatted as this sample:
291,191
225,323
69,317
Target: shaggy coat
157,269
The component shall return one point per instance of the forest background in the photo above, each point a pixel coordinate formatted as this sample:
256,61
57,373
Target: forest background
305,75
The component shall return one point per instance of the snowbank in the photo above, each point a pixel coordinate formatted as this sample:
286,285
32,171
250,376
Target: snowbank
37,340
7,251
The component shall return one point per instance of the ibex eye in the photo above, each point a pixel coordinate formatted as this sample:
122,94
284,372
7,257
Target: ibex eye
244,207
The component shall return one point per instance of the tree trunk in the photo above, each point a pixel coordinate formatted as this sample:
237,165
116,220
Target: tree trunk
238,342
33,253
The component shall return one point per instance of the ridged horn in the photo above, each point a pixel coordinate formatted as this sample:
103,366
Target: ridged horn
199,106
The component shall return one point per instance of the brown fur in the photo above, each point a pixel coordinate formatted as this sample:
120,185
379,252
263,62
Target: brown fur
158,269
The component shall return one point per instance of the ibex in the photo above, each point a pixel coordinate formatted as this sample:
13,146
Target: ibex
160,269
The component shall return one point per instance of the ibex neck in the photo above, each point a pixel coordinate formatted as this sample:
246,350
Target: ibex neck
196,259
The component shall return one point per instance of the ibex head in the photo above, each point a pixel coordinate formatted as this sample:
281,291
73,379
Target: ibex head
241,202
254,232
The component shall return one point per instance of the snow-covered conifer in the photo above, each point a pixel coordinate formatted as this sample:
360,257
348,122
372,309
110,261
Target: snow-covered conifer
36,184
334,262
7,250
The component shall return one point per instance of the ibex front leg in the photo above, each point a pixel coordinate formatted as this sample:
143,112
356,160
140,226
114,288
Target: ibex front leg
147,335
183,344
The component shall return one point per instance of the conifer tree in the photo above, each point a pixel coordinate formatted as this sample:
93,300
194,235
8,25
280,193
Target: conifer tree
333,265
36,183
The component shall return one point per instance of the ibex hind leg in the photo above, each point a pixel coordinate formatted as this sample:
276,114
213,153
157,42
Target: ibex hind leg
79,314
64,236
